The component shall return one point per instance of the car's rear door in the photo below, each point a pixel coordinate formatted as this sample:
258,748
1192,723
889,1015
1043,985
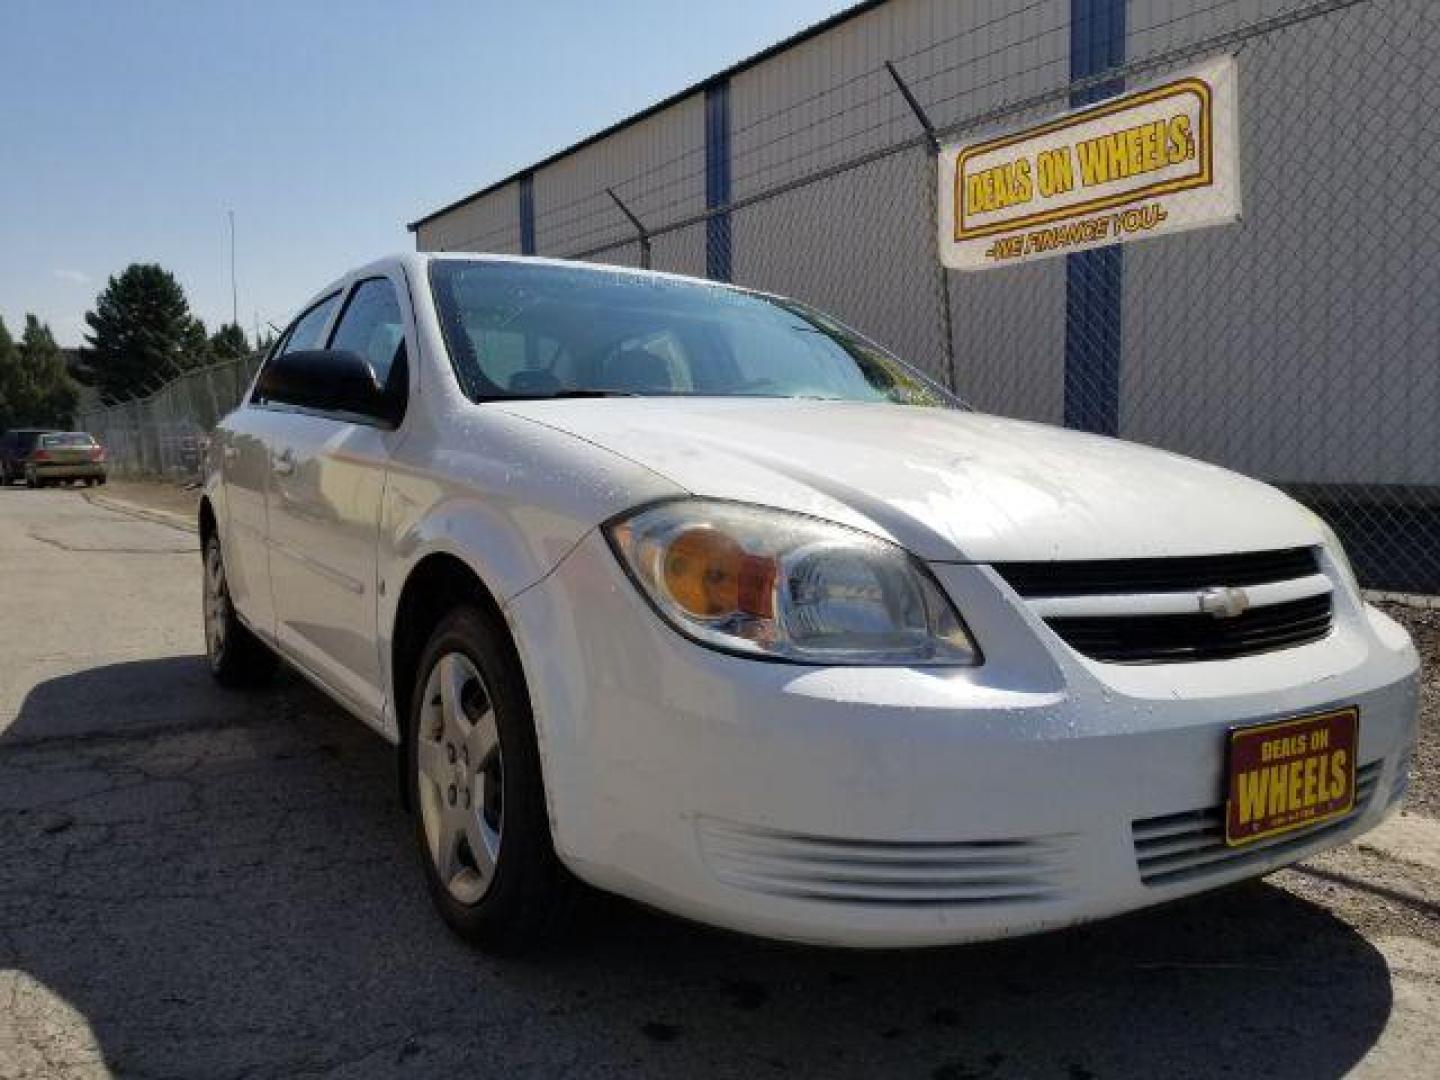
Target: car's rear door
245,455
327,480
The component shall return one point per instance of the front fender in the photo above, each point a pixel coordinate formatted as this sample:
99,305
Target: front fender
510,525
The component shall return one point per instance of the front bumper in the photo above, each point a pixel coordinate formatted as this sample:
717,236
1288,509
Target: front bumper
897,807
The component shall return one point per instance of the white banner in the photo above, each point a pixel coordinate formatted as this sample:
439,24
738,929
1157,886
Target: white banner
1147,163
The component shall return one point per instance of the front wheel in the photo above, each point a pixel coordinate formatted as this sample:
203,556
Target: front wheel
237,657
475,785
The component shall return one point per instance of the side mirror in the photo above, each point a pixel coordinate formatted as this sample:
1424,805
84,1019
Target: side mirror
331,380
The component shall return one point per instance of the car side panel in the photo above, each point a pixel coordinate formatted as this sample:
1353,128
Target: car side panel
327,479
244,470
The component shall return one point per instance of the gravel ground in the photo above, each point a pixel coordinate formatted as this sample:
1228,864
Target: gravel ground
1424,627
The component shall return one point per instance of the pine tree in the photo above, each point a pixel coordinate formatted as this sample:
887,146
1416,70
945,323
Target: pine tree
141,333
9,378
47,395
35,389
229,343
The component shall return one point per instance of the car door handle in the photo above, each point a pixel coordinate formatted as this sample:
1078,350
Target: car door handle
284,463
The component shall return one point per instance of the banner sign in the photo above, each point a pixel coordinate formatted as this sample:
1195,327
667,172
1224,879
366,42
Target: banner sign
1143,164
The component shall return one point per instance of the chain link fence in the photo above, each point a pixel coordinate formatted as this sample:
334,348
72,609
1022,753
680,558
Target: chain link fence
1300,345
165,434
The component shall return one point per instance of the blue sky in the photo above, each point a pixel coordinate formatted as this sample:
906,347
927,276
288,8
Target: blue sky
129,128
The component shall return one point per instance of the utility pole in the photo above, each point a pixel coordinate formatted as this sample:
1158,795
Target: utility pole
234,292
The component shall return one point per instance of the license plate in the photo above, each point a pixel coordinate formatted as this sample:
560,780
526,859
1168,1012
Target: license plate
1289,774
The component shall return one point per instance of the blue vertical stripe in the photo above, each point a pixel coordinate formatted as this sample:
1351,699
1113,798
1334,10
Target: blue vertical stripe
527,214
1094,279
717,181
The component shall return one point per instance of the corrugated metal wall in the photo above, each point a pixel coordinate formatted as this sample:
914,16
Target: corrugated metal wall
1275,345
489,224
1283,332
656,166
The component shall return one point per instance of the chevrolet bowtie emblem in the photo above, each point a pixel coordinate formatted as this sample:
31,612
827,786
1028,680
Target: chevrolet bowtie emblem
1224,603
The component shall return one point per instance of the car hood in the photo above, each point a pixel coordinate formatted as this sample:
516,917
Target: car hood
946,484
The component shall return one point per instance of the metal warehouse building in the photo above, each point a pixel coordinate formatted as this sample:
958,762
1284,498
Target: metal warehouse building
1301,344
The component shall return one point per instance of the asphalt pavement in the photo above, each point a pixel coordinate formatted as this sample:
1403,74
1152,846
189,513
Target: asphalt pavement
201,883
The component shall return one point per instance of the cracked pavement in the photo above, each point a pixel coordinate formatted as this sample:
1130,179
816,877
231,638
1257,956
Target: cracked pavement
196,883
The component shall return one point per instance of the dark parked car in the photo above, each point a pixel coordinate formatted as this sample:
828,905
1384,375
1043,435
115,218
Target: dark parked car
15,447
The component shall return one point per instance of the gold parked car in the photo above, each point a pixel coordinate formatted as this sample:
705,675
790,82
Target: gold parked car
65,455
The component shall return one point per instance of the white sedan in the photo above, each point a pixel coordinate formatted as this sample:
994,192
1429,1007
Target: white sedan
696,595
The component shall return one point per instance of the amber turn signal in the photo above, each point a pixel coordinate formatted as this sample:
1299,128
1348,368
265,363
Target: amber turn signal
710,575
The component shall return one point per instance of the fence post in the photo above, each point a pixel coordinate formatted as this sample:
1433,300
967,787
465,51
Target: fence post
1094,280
639,228
942,280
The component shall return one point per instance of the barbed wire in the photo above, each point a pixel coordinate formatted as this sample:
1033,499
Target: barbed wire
1289,345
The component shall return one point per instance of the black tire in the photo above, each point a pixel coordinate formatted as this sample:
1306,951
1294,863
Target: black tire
529,895
237,657
32,481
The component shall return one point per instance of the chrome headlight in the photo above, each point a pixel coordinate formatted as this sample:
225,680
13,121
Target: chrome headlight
769,583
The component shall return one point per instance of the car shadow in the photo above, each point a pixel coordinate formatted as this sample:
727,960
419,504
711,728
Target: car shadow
218,884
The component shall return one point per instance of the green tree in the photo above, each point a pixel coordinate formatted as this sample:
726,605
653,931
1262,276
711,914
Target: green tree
9,378
229,343
34,386
198,351
141,333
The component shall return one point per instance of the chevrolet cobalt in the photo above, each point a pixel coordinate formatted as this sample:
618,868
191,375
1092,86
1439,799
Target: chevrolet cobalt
696,595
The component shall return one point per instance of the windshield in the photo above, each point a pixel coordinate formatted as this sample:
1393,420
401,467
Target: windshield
526,330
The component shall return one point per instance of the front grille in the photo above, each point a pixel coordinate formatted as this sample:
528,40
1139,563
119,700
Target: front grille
1124,611
1158,639
886,872
1097,577
1190,845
